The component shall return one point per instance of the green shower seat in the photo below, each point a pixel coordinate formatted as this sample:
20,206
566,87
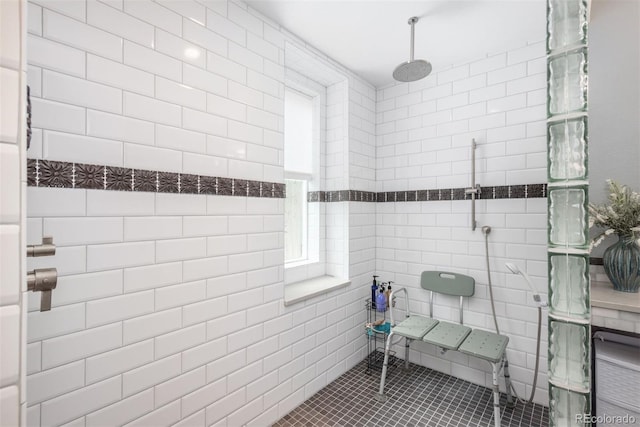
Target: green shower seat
415,327
447,335
485,345
482,344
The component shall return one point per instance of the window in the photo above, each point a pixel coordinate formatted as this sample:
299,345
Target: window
298,132
295,226
299,172
316,238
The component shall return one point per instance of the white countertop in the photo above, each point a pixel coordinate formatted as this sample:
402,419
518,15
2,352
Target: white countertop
603,295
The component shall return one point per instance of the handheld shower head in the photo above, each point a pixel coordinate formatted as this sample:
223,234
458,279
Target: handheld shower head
516,270
512,267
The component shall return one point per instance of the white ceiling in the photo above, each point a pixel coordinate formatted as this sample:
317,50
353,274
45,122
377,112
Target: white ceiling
371,37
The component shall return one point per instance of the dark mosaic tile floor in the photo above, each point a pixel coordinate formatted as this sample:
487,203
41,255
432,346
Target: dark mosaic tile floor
421,397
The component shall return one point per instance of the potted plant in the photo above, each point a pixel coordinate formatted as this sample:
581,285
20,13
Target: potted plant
621,216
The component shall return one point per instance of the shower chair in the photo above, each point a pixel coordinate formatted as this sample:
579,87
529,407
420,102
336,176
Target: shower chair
479,343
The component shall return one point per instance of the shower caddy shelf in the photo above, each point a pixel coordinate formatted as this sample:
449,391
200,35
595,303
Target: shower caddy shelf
376,340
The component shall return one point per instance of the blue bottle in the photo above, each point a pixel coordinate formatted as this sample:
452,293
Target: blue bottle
374,288
381,301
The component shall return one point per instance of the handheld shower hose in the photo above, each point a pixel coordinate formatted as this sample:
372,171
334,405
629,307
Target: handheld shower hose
485,231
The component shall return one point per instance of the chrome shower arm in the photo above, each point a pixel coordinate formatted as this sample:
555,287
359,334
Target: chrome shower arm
412,22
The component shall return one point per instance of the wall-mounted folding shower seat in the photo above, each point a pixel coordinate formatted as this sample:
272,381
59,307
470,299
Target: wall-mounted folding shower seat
482,344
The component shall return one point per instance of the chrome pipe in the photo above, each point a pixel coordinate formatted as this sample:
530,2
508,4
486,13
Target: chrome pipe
412,22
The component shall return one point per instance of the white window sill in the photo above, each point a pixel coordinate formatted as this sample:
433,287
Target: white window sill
299,263
306,289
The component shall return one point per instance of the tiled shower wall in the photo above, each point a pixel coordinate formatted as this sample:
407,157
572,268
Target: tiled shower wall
424,134
362,138
169,307
12,187
362,174
336,176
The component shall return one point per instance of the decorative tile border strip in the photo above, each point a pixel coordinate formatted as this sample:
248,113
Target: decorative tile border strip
50,173
342,196
58,174
526,191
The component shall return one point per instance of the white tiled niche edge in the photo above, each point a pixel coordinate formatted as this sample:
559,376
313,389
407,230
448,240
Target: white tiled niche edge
12,177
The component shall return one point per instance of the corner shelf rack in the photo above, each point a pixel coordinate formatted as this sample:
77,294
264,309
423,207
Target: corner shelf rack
376,340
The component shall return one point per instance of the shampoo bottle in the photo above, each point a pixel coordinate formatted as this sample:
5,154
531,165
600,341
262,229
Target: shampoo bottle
381,302
374,288
387,293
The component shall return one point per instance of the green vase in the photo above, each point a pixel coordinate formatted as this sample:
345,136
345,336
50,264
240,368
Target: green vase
622,263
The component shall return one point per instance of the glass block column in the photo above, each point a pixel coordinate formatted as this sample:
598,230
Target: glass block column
568,197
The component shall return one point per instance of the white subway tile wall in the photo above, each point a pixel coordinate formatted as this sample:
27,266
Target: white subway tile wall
424,134
169,307
13,78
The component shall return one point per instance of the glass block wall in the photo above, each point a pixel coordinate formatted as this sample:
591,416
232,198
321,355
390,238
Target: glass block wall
568,197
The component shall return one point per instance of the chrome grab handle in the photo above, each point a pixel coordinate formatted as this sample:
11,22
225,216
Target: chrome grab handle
475,189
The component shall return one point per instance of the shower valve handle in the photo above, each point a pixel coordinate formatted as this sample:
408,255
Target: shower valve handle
46,248
43,280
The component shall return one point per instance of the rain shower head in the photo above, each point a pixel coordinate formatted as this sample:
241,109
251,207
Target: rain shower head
413,69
